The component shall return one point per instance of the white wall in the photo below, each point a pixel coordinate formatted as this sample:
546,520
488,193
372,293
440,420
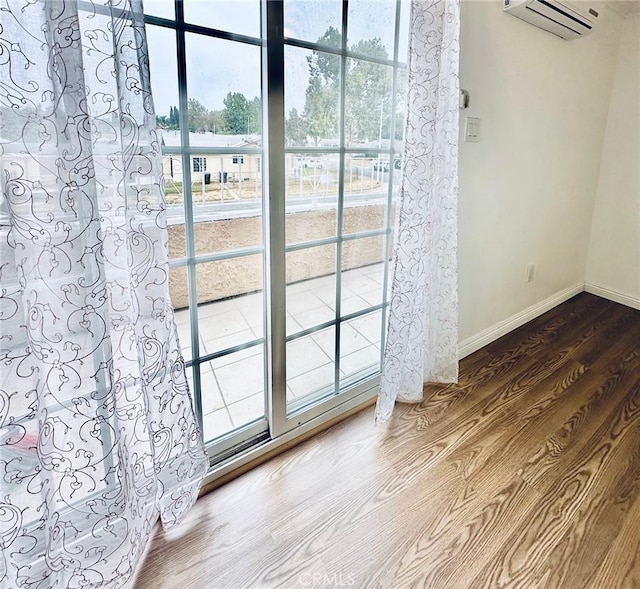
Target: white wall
527,188
614,252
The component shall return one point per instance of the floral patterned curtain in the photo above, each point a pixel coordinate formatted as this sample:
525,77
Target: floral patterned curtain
97,432
422,334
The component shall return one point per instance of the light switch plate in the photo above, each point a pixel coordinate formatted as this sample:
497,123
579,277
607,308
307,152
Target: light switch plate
472,130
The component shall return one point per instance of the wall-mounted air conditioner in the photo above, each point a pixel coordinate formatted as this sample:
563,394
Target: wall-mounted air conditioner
568,20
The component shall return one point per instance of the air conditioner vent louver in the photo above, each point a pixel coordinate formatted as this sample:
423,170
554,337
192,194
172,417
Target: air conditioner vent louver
562,18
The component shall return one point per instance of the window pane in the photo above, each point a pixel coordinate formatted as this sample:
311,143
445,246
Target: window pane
163,8
362,273
226,193
312,90
223,79
368,104
371,27
230,302
312,196
403,35
310,287
366,191
232,391
318,21
164,85
360,348
179,293
310,367
235,16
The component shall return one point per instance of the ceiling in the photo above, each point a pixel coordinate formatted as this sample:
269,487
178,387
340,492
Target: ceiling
625,7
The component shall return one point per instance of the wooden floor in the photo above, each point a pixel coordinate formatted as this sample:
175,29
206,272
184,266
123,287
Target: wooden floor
526,474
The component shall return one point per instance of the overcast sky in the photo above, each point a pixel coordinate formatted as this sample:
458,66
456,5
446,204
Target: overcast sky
216,67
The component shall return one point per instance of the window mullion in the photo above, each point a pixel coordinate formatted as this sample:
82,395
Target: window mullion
188,204
273,126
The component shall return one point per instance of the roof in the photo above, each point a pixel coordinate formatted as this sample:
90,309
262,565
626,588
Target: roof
172,139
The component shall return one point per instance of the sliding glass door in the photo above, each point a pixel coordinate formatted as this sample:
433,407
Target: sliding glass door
281,127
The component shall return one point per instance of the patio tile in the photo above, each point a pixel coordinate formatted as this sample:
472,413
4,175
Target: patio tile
351,340
301,302
374,271
216,308
292,325
373,297
211,396
360,360
298,287
216,423
358,282
233,339
312,381
303,355
247,410
325,291
369,326
241,379
353,303
222,324
182,316
314,317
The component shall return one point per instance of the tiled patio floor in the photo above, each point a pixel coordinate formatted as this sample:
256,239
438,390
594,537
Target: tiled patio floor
233,385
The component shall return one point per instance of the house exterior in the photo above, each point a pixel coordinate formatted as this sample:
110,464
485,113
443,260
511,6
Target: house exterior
213,166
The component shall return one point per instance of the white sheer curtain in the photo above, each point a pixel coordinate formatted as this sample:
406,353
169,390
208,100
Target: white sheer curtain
97,432
422,335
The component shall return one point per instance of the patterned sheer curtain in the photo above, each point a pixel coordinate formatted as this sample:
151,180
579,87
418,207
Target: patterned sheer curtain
97,433
422,334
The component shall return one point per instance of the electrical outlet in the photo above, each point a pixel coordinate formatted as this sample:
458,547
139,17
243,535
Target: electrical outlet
530,271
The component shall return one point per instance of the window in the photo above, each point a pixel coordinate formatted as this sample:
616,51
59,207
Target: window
199,164
314,223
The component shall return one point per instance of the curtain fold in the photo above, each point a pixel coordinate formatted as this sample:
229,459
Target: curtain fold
422,333
97,433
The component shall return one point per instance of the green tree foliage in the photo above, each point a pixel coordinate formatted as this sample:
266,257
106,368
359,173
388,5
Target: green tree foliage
198,117
323,91
236,114
295,129
169,122
174,118
255,116
367,92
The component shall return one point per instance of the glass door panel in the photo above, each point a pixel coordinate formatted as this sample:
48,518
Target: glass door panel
308,212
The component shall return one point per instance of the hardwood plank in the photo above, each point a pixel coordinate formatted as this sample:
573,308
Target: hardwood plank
523,556
525,474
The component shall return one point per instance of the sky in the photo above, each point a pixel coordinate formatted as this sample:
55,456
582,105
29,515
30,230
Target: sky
216,67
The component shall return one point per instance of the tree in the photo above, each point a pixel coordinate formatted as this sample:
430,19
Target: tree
236,113
255,116
215,121
174,118
295,129
323,91
368,94
198,116
169,122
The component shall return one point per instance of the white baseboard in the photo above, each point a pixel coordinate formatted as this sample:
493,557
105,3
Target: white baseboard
613,295
486,336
